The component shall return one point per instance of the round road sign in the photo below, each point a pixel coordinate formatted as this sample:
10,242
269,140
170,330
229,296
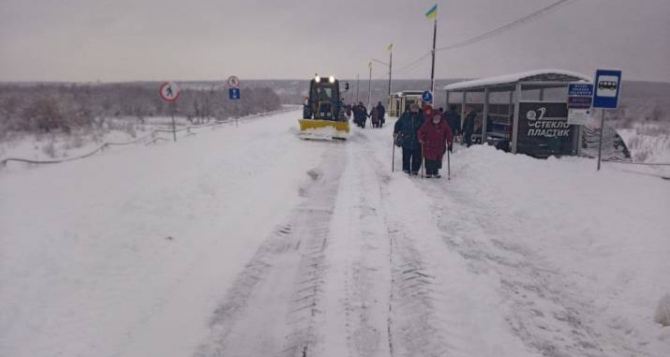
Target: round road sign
169,91
233,81
427,96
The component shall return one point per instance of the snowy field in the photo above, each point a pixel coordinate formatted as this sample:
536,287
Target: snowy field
246,241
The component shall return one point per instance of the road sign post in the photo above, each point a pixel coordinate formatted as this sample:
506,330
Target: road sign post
607,89
169,92
234,91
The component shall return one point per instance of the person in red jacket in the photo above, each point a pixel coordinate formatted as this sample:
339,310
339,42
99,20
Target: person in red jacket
435,136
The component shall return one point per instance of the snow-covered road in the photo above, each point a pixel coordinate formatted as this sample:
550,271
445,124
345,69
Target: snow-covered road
249,242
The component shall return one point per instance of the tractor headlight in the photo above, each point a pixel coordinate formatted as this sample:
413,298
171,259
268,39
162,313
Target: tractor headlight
317,79
331,79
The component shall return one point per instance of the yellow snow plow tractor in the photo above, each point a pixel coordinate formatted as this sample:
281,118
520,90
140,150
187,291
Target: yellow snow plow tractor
323,111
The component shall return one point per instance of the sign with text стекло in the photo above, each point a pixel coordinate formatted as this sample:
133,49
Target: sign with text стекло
544,129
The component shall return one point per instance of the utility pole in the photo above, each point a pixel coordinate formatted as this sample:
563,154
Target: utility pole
390,48
357,81
370,85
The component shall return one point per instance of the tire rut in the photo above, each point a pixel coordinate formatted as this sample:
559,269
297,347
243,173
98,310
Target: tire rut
286,274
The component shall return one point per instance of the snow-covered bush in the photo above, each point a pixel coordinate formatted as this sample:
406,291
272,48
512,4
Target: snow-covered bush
662,315
50,149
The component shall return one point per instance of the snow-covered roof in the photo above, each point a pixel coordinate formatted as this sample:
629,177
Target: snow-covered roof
408,92
542,75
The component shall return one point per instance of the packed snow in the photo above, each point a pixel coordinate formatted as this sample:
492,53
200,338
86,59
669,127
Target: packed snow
248,241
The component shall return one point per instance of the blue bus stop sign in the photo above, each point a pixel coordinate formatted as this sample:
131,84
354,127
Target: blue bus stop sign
607,88
427,96
234,93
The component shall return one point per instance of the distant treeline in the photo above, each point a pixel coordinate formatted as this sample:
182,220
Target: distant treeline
48,107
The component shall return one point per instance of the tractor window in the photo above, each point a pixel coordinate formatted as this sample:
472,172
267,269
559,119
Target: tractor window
325,94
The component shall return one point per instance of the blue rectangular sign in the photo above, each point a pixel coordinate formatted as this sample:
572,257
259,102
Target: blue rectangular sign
607,86
234,93
580,90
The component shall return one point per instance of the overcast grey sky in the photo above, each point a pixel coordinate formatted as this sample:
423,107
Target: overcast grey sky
121,40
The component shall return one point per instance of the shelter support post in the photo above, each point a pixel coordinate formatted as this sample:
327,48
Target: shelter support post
515,119
463,101
485,116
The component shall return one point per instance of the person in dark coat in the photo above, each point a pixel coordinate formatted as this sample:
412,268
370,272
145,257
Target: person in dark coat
435,137
454,120
374,117
360,114
405,130
382,114
469,126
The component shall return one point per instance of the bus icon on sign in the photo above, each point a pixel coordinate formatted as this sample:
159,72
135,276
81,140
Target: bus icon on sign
611,85
607,86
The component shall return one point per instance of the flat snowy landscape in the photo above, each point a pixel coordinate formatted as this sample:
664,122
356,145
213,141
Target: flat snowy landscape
247,241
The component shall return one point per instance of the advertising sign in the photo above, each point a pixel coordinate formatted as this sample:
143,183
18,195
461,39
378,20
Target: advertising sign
544,129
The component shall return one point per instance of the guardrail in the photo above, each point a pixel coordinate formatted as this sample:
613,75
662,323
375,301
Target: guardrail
652,164
148,139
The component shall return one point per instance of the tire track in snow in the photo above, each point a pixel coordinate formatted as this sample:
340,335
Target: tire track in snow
544,307
361,249
415,324
274,306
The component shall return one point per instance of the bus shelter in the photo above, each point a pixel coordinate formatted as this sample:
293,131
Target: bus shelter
525,112
400,101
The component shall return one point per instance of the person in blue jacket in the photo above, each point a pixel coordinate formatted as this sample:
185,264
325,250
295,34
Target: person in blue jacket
405,133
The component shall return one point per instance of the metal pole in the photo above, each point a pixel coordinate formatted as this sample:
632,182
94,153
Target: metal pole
390,68
485,115
432,69
357,82
370,85
515,120
393,156
174,126
449,165
600,142
423,162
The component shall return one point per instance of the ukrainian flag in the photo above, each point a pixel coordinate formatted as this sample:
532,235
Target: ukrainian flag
432,13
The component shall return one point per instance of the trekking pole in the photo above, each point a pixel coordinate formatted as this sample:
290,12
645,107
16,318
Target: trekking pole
423,163
448,166
393,156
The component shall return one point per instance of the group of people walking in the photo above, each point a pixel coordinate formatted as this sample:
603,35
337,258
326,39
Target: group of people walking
377,115
427,134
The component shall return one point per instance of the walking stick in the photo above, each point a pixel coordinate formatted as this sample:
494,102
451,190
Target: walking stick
393,156
423,163
448,165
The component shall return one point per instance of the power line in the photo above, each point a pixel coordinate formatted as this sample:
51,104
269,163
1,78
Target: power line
491,33
506,27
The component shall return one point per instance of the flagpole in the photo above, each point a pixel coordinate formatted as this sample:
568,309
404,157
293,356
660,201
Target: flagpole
432,69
